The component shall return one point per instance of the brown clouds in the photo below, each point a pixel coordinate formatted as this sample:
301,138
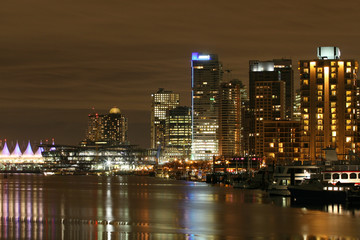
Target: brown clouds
63,57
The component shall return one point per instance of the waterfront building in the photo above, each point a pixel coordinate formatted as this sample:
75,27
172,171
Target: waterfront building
108,128
98,157
271,96
328,104
230,132
162,101
206,76
281,141
16,157
178,133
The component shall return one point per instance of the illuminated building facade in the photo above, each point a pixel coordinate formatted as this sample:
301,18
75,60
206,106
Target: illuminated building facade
328,104
109,128
230,118
162,101
297,106
281,141
269,82
206,76
178,133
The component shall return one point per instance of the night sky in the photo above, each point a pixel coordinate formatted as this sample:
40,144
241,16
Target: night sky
59,59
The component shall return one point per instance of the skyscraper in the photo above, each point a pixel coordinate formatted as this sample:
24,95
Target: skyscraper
274,70
328,104
230,133
162,101
268,95
110,128
206,75
178,133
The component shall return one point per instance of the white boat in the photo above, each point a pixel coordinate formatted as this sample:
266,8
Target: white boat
282,177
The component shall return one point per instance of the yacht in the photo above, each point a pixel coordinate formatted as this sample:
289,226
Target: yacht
282,177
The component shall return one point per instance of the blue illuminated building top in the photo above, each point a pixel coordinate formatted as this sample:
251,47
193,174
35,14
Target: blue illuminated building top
200,56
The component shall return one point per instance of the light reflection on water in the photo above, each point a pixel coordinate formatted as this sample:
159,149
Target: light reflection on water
128,207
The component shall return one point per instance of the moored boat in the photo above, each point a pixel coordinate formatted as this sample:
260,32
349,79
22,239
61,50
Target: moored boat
315,190
282,177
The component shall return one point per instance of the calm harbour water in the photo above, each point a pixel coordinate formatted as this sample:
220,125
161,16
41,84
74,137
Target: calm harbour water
133,207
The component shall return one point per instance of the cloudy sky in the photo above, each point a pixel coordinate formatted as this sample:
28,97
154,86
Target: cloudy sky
60,59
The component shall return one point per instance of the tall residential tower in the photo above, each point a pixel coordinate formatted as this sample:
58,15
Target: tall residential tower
328,104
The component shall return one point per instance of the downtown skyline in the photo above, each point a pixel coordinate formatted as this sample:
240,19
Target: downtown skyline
59,60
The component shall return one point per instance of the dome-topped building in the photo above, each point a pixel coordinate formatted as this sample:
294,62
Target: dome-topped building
115,110
109,128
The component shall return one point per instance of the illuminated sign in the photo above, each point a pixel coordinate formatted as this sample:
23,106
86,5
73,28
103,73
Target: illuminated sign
198,56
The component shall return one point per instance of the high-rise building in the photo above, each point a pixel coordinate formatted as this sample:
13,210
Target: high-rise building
230,133
276,69
328,104
269,82
162,101
111,128
206,75
178,133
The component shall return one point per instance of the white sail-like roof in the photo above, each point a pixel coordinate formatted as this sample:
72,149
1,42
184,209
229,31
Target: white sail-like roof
17,151
28,152
5,151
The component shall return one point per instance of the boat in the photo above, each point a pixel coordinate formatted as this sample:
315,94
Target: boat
282,177
257,180
314,190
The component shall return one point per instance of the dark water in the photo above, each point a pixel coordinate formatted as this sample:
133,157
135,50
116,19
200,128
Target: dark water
130,207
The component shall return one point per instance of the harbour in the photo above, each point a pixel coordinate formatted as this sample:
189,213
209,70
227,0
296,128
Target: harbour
35,206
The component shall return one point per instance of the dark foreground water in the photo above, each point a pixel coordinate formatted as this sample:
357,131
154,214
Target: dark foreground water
130,207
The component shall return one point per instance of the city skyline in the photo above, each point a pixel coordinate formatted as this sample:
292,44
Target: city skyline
59,60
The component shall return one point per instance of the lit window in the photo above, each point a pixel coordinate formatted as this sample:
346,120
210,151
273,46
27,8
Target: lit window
320,93
319,75
306,116
333,110
320,122
348,139
320,116
333,86
348,64
306,99
348,70
348,99
305,82
333,93
348,105
333,127
333,134
320,87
